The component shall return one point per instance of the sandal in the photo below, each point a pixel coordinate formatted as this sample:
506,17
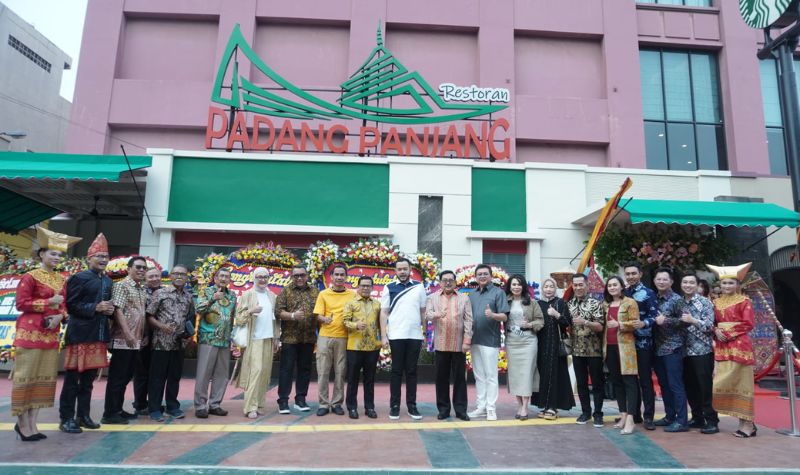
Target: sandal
550,415
744,435
540,415
252,415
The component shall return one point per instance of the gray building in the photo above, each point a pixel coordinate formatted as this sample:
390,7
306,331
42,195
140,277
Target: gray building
29,87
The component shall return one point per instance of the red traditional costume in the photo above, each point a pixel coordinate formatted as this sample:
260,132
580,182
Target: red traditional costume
733,379
36,361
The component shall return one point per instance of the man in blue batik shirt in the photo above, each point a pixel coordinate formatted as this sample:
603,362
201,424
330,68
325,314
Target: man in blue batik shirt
645,356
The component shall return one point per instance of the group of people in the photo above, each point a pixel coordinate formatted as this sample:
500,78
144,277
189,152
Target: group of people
145,327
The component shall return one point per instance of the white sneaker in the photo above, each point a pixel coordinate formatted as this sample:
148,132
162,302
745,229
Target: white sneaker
491,415
478,412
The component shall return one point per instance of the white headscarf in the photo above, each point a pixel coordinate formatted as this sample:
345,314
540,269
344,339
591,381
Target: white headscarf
259,271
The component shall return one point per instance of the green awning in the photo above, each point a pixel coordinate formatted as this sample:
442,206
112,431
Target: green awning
18,212
710,213
61,166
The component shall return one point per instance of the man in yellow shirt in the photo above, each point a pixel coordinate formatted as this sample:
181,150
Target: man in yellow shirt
362,319
332,341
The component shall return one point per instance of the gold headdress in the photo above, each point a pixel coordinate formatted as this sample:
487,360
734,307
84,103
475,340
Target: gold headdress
731,272
56,241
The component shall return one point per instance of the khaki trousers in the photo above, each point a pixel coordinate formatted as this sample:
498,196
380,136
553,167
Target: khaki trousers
331,354
259,369
213,365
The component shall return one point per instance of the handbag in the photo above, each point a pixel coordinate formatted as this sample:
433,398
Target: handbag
563,348
240,336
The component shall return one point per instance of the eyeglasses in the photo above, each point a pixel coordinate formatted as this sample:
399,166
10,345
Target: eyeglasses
448,281
140,267
297,276
179,274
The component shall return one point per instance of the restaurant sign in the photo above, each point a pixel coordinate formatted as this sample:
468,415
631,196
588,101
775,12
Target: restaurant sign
277,116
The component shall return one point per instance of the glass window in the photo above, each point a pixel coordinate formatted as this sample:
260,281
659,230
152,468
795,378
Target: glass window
773,118
655,142
188,254
776,148
683,129
652,90
511,263
429,225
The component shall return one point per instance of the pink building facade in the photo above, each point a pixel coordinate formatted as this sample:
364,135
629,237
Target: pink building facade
572,67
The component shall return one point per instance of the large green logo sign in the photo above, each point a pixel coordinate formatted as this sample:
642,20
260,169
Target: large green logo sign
381,91
762,13
381,78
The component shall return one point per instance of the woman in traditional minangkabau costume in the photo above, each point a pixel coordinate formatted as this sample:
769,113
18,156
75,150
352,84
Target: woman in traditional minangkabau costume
733,351
40,297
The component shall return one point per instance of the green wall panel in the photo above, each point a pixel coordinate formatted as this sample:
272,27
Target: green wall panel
271,192
498,200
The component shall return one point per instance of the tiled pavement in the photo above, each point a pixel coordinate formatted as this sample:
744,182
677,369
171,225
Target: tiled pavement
298,442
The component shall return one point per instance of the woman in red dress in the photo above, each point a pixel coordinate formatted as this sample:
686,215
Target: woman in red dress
40,298
733,351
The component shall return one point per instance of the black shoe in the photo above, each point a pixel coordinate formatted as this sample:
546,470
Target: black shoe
663,422
323,411
696,423
372,414
283,408
675,427
414,413
598,420
338,410
201,414
648,424
129,415
637,419
217,411
352,413
143,412
70,426
30,438
88,423
39,435
462,415
583,419
394,413
114,420
442,416
301,406
710,428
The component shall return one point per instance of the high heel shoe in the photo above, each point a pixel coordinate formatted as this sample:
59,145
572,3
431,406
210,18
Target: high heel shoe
744,435
31,438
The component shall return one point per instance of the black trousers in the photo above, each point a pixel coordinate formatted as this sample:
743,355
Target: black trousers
77,388
359,362
165,378
626,387
405,354
451,366
141,378
646,394
300,356
585,367
698,377
120,373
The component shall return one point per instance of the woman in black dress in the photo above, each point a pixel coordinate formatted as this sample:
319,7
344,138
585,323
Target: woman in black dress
555,388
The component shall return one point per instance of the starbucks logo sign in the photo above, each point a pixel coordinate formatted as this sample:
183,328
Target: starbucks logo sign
762,13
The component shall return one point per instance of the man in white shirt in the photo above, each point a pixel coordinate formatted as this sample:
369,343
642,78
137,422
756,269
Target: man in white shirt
402,313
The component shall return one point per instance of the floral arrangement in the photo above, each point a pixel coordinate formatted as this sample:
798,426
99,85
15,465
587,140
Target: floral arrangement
20,266
319,257
72,265
656,245
265,253
428,264
7,354
465,276
7,258
117,267
206,268
375,251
